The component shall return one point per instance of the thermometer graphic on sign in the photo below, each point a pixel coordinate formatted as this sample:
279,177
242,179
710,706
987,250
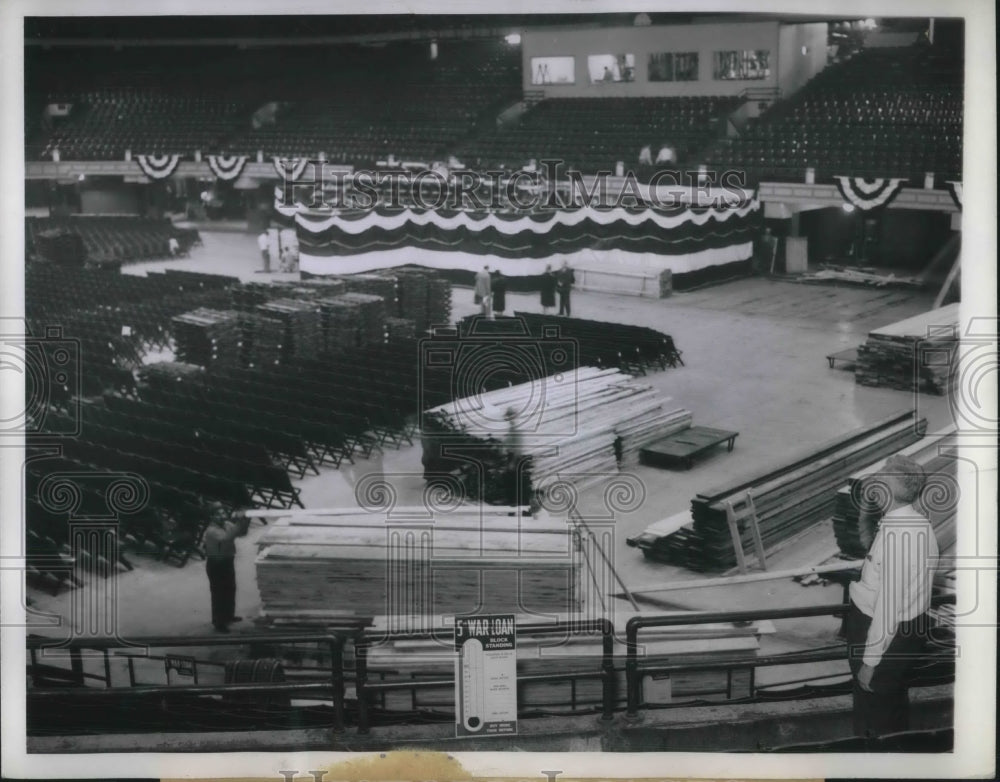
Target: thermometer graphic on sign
473,682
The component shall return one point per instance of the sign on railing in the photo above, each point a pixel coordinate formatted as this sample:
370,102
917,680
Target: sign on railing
485,675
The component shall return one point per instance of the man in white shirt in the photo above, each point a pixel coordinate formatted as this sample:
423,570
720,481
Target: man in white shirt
887,622
219,543
264,243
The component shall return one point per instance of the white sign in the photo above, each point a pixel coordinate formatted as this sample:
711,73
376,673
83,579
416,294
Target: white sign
485,675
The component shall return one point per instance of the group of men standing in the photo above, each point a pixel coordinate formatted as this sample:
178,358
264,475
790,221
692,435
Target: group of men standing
490,290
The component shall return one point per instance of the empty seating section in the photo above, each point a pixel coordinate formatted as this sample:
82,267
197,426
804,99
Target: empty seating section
883,113
111,239
592,134
330,100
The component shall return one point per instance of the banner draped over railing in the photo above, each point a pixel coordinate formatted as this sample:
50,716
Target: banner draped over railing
678,231
867,194
226,168
158,166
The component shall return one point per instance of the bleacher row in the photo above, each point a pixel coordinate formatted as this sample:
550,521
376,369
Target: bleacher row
883,112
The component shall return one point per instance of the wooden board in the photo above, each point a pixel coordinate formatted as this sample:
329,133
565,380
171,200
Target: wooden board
684,446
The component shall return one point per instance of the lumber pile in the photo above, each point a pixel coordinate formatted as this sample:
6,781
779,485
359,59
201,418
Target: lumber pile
788,497
424,298
248,295
937,454
301,322
338,323
859,276
571,424
207,337
351,563
916,354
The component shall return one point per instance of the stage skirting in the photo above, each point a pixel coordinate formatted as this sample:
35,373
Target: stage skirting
696,245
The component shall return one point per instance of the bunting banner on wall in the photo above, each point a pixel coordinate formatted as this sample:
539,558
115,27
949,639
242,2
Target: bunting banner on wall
158,166
226,167
955,189
290,169
678,231
867,194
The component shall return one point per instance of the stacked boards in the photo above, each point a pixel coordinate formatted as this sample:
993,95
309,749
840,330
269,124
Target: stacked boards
916,354
938,455
347,563
578,425
788,497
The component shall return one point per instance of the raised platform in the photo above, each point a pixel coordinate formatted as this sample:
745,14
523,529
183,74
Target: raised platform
683,447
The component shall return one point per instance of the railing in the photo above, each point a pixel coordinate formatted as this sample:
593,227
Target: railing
335,685
634,671
365,689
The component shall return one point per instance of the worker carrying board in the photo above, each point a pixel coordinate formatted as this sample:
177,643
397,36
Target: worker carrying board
485,675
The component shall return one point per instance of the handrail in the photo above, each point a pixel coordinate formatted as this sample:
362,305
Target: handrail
607,673
334,640
633,682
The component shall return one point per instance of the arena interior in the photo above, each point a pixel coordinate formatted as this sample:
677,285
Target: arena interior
253,284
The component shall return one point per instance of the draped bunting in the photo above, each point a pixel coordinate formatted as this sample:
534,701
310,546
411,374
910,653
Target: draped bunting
955,189
290,169
867,194
674,232
158,166
226,168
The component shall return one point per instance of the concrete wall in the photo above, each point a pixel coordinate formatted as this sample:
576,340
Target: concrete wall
705,39
796,67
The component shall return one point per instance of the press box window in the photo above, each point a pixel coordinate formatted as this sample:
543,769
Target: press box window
553,70
673,66
611,68
745,65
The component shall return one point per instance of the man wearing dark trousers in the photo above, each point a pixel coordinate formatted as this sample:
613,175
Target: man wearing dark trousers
220,563
887,622
564,284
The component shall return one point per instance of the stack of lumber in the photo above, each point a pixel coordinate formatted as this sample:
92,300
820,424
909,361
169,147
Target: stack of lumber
915,354
569,422
342,563
412,291
937,454
338,319
262,340
788,497
169,372
207,337
323,286
371,317
399,329
301,319
381,285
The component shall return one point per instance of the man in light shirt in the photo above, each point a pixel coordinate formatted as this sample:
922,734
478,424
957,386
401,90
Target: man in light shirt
887,622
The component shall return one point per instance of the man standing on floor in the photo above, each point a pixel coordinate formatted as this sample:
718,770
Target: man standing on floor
264,243
887,622
564,284
482,290
220,563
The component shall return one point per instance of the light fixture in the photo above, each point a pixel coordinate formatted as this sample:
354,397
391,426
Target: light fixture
514,39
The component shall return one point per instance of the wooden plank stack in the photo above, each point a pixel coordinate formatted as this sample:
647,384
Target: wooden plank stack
937,454
569,422
438,301
915,354
207,337
349,563
301,320
789,497
248,295
339,319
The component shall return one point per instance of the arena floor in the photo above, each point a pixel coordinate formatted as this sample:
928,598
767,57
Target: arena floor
754,362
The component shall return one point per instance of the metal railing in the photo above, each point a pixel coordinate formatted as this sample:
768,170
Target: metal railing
335,686
365,689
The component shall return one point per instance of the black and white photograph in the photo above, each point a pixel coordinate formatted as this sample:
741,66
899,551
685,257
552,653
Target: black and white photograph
480,392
